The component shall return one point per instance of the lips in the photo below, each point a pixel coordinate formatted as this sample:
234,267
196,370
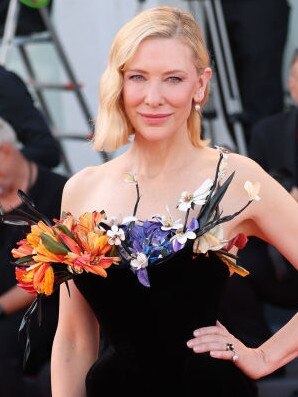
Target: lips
155,118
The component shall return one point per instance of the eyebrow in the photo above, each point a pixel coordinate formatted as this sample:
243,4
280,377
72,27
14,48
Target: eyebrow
174,71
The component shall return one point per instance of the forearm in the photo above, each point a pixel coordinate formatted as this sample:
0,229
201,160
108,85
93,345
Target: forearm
281,348
15,299
69,366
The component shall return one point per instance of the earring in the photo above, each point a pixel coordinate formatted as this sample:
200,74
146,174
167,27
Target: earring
198,108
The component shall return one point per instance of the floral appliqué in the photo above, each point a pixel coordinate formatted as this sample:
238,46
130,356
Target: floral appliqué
144,243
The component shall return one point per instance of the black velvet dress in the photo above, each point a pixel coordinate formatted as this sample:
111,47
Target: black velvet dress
145,330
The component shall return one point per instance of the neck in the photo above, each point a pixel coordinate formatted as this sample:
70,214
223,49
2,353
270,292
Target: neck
160,160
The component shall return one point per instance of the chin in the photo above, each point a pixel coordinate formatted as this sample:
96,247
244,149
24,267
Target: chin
155,134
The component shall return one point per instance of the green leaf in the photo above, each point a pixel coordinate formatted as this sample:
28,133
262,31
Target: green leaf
212,204
24,260
52,245
65,230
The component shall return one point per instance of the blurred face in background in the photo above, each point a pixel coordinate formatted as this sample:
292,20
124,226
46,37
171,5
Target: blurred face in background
293,81
6,168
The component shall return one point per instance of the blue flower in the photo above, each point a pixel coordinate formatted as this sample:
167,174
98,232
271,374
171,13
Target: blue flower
147,243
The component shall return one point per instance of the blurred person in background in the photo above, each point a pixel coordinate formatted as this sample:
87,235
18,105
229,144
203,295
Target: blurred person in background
45,188
257,31
18,109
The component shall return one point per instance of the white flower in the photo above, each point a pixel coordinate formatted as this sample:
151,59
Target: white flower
253,190
130,177
115,220
198,197
182,237
168,223
141,261
210,241
224,151
116,235
223,167
129,219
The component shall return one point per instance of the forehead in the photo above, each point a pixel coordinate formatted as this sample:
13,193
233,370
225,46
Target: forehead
168,52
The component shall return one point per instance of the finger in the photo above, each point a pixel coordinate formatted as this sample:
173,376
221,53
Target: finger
220,341
219,324
216,350
214,330
202,347
221,355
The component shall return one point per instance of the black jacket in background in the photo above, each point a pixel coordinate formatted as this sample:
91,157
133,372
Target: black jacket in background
18,109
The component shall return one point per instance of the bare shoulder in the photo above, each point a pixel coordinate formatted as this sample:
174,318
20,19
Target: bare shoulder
247,169
272,193
243,163
86,177
81,178
244,167
82,189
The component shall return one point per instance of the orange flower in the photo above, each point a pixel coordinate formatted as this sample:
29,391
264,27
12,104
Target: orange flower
69,246
43,279
37,278
70,243
45,255
24,249
25,279
90,220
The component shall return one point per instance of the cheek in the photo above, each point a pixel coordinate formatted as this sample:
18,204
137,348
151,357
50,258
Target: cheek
295,91
182,104
7,169
181,97
131,96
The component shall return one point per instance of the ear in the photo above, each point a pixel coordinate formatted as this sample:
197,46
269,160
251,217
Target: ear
203,80
6,150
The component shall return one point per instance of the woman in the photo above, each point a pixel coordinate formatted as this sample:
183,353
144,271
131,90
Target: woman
153,88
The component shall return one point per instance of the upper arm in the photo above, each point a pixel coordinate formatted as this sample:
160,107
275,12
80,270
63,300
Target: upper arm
275,217
77,323
76,318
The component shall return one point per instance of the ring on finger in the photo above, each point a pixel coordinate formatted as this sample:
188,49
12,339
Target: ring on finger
235,357
229,347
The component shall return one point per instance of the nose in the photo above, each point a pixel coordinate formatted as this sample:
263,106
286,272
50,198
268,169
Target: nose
154,95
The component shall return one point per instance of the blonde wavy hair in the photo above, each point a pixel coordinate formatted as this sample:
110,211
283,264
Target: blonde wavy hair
112,126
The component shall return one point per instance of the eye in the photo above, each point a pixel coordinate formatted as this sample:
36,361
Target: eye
136,77
174,79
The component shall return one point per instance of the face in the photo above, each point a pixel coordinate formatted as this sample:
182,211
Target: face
293,82
160,85
7,167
